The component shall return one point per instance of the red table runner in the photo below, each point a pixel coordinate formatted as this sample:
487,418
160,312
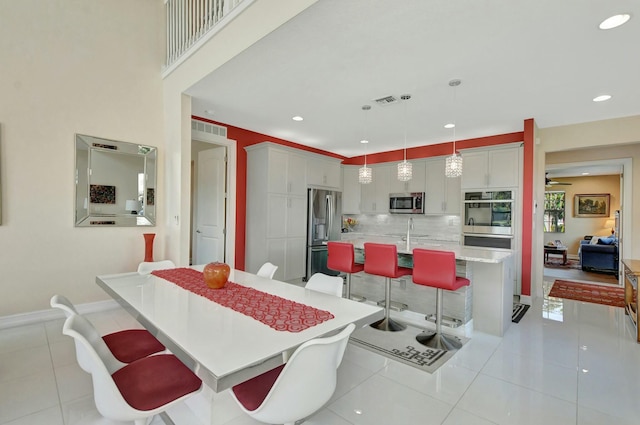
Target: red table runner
277,312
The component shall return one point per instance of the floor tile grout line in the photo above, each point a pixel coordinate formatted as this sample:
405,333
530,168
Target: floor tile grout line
55,374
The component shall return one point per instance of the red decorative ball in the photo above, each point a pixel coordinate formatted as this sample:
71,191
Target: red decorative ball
216,275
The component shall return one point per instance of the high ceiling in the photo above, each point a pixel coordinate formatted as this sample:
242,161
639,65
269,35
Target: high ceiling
518,59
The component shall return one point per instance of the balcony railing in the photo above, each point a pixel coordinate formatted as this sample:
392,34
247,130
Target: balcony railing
190,21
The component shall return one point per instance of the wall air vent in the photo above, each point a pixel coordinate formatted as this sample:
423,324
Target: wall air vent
218,130
387,100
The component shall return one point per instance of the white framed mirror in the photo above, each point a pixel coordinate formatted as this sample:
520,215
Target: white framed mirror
115,183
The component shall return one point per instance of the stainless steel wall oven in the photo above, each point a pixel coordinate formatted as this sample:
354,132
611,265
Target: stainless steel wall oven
488,219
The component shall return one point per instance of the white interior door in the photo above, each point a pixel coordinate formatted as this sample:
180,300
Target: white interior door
210,206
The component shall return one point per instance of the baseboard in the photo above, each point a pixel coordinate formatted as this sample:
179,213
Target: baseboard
526,299
40,316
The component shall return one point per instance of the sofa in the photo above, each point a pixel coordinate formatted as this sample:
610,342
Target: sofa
599,254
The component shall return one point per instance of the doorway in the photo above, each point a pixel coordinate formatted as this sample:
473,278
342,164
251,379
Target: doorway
212,205
598,176
208,211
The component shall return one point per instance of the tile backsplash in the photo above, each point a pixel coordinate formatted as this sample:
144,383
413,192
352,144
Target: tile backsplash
442,227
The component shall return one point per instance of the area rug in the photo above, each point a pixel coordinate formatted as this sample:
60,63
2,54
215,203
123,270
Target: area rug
403,347
597,294
556,263
518,312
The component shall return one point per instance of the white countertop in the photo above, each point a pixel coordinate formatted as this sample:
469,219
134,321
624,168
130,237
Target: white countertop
481,255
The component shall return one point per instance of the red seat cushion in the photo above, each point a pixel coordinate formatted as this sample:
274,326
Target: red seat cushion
252,393
341,257
154,381
132,344
436,269
382,260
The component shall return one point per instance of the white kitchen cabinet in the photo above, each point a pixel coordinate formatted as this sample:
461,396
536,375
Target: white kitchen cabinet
286,172
286,216
374,197
289,255
442,194
350,189
491,168
323,172
417,182
276,209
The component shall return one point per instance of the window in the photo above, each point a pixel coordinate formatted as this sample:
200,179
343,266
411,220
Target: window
554,212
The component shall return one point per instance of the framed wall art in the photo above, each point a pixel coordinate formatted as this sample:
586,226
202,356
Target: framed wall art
596,205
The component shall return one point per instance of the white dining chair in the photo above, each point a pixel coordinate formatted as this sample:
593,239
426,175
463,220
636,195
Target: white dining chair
298,388
321,282
126,346
137,391
267,270
149,266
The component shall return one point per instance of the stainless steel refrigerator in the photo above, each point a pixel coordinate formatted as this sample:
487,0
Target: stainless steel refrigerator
324,223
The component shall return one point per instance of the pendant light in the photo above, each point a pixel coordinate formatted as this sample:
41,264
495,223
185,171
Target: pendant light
453,164
405,169
365,174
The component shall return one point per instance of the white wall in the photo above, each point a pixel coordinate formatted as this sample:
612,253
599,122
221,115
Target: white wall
70,66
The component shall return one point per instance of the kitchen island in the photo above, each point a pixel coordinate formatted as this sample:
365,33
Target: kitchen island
489,270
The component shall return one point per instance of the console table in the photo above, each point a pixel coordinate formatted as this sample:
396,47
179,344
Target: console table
631,273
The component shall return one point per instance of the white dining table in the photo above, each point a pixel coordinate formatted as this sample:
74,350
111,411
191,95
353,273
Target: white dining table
222,346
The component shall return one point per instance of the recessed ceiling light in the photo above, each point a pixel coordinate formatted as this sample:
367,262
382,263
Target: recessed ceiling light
614,21
585,174
364,142
297,118
209,112
450,125
602,98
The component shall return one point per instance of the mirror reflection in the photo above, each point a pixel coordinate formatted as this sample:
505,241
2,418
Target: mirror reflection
115,183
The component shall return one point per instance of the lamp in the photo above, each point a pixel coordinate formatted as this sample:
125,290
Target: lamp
405,169
132,205
610,224
365,174
453,164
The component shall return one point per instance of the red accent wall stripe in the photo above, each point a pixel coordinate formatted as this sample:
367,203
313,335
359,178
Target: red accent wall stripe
436,150
527,205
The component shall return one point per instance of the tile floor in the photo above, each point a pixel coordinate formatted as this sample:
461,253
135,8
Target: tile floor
566,362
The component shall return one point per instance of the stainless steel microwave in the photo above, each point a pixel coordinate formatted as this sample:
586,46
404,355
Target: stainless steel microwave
406,203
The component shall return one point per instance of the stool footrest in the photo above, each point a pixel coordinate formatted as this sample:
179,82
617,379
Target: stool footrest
450,322
395,305
359,298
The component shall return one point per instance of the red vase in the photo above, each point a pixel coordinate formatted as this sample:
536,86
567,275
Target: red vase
148,247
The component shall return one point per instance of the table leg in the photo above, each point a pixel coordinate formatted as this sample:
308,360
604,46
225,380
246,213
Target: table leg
564,257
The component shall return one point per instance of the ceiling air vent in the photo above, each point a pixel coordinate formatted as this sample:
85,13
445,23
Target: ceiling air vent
387,100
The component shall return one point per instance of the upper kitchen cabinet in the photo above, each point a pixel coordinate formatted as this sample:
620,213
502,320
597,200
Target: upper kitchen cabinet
491,168
374,197
286,171
350,189
417,182
323,172
442,194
